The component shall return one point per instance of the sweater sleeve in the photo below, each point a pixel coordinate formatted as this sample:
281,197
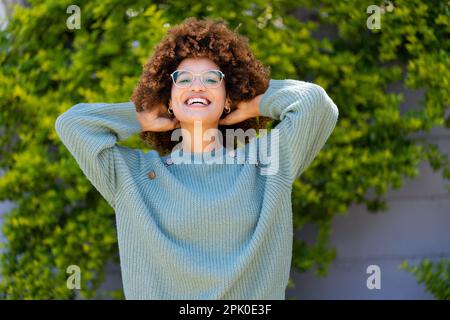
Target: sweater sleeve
308,116
90,131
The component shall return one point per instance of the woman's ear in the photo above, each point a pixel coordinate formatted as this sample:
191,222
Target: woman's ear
228,101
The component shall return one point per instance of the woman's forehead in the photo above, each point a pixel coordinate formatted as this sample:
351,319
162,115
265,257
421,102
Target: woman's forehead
197,65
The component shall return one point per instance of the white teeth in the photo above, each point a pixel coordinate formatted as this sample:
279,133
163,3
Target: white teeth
201,100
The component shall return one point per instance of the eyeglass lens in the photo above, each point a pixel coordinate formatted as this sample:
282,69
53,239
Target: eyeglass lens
185,78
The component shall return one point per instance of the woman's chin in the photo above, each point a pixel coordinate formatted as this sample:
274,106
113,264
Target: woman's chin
198,114
197,108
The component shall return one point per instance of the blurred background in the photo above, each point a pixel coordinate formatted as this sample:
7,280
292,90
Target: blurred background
372,212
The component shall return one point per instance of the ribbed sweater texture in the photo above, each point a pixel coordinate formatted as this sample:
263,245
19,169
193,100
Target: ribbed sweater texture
202,230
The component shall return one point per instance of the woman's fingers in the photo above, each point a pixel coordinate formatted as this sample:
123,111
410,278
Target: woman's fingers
165,124
234,117
151,121
244,110
175,123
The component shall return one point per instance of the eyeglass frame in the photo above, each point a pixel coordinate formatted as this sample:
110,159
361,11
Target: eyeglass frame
194,75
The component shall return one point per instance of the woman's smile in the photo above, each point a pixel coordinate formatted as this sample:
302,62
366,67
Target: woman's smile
196,105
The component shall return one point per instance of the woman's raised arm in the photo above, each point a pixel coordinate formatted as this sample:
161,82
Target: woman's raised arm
308,116
90,131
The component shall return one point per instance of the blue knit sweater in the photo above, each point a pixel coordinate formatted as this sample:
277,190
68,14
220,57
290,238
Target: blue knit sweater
201,231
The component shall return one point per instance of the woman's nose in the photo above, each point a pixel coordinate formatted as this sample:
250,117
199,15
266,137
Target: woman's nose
197,83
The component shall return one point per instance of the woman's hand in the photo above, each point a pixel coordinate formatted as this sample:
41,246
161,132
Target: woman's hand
156,120
244,110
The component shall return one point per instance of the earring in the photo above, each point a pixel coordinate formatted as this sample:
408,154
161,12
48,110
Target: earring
169,110
227,106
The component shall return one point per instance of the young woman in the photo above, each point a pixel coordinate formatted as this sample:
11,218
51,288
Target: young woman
202,230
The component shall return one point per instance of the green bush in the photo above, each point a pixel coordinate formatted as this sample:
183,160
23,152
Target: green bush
435,276
61,220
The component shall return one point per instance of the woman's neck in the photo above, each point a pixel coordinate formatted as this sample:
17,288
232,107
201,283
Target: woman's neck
200,137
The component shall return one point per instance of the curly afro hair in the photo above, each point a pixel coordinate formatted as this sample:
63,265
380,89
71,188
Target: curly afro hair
246,77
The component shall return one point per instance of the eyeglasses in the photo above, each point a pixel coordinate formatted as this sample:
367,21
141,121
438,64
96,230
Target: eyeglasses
185,78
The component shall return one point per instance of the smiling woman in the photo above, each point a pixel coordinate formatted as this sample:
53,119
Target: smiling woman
199,58
201,230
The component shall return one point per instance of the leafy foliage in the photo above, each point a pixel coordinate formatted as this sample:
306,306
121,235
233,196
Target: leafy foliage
435,276
60,219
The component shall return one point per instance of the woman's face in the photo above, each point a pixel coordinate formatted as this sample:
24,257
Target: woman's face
207,114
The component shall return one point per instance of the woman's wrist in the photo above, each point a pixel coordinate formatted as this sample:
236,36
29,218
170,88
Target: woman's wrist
254,106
